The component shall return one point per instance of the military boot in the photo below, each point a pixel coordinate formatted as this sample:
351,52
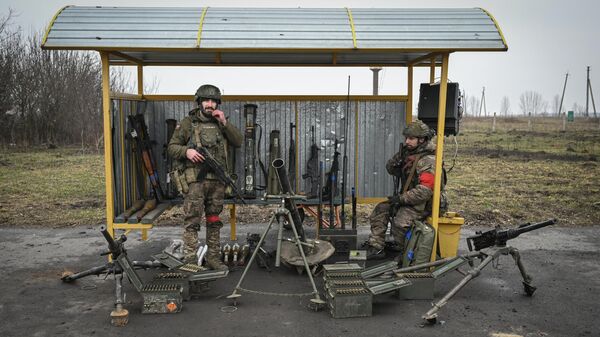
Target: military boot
190,244
213,256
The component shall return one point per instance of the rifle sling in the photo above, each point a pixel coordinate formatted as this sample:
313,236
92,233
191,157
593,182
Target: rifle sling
412,174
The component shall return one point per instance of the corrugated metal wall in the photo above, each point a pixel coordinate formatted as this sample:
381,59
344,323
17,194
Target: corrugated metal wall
376,139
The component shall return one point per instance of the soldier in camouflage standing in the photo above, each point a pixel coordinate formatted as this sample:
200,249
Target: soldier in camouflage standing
205,126
414,165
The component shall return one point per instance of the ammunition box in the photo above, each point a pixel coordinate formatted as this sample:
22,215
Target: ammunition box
420,288
162,298
174,278
350,302
358,256
343,240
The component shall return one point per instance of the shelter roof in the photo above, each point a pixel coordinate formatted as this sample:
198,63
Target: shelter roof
230,36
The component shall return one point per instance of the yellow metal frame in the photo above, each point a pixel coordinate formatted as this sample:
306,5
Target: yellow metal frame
354,43
439,151
200,26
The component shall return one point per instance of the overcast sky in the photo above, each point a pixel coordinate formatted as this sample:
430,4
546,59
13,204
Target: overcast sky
546,39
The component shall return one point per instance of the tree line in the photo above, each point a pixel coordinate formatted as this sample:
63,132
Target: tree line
49,97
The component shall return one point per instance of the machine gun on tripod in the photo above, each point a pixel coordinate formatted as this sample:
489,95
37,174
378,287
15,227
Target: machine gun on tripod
486,246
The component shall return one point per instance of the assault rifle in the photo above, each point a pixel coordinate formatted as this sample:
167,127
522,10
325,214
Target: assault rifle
497,237
211,163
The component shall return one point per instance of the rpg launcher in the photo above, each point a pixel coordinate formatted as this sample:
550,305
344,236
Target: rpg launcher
497,237
211,163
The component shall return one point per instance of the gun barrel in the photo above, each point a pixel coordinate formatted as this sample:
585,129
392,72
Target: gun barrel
284,182
113,246
513,233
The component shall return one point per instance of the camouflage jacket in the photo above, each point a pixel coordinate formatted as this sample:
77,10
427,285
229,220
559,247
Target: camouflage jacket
213,136
420,188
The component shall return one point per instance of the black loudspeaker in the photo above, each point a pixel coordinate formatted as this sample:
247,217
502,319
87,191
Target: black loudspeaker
429,95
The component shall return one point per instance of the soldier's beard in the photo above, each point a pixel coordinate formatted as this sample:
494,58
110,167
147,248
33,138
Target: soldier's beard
207,112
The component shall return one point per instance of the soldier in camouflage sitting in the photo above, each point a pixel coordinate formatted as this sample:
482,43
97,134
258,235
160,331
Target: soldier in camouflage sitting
205,126
414,165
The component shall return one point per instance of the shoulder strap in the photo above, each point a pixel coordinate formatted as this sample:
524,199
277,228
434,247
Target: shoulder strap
196,130
412,174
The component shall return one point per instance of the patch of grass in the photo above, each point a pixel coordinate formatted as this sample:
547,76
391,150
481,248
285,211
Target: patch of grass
51,188
514,175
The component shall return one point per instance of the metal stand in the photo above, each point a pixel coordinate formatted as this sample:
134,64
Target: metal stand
277,218
486,256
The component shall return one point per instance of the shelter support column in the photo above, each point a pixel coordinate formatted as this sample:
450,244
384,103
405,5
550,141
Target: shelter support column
108,162
140,80
441,124
409,103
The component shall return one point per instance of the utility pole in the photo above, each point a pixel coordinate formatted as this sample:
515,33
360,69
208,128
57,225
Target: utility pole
482,104
375,71
563,93
587,93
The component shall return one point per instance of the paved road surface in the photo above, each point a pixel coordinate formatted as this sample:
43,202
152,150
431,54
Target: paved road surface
34,302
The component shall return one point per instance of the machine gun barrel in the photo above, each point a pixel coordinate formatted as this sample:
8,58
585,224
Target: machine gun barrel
528,227
114,246
496,237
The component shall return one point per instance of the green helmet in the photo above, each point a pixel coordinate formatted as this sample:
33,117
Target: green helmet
417,129
208,91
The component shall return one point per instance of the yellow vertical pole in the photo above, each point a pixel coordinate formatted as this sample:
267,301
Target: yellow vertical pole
441,124
108,163
409,104
140,80
432,71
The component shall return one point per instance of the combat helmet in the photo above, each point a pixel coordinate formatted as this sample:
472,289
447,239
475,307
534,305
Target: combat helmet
417,129
208,91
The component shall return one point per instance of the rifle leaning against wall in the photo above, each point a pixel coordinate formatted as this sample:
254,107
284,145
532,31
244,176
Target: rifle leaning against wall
139,133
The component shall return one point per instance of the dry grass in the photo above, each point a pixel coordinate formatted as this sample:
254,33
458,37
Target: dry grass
514,175
508,176
53,188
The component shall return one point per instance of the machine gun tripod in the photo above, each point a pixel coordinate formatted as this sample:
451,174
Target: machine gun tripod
164,294
487,246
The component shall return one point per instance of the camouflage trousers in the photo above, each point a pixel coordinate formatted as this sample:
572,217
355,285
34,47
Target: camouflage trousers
203,197
379,220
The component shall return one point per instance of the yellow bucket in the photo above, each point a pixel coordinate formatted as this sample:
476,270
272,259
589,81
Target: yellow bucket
448,233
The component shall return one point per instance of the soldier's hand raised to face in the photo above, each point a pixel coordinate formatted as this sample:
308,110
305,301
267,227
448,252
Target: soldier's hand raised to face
220,116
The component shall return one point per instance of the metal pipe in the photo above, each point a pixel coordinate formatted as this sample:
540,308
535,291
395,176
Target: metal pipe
281,173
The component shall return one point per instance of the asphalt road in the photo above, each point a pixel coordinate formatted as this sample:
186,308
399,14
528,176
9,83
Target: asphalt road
34,302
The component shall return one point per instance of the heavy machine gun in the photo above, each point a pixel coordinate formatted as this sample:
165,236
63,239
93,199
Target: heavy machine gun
497,237
488,246
164,294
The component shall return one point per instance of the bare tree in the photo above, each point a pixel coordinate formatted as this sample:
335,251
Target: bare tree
530,102
505,106
474,104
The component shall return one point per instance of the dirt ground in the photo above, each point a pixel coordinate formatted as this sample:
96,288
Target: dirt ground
34,302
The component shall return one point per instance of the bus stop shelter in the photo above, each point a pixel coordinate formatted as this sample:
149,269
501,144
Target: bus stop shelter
273,37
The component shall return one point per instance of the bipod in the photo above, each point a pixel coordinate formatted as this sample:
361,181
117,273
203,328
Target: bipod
280,214
487,255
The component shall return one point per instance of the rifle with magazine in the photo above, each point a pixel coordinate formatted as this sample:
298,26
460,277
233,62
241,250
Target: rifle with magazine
210,163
